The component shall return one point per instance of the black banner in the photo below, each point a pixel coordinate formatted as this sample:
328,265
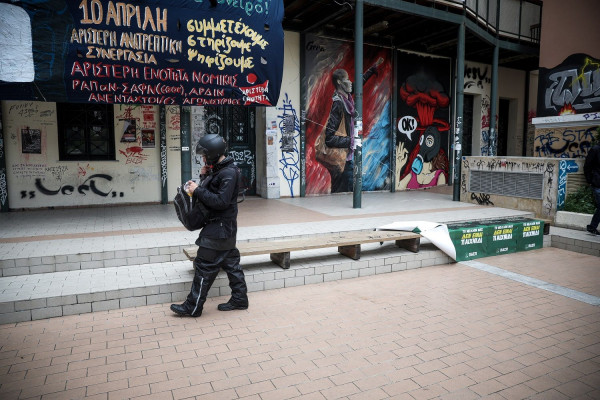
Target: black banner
203,52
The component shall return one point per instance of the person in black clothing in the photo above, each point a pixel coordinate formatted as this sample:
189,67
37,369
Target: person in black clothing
216,242
591,169
343,108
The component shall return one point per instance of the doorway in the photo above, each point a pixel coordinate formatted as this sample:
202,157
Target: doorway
237,125
467,135
503,121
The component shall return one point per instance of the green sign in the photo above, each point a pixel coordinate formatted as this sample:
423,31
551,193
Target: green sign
469,241
531,236
476,239
503,238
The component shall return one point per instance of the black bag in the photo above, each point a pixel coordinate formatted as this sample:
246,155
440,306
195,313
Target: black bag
191,212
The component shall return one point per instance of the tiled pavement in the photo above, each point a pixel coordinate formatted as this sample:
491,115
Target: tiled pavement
447,331
64,262
450,332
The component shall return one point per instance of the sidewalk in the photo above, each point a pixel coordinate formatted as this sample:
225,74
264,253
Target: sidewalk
450,332
524,325
71,231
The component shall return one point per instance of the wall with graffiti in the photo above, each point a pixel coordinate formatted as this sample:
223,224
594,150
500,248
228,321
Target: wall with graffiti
549,175
563,142
284,121
423,121
572,87
36,178
329,76
172,156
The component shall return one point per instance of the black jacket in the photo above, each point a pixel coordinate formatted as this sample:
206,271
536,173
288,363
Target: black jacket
219,193
591,168
338,110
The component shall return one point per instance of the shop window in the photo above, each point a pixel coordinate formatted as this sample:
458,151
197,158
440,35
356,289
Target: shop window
85,132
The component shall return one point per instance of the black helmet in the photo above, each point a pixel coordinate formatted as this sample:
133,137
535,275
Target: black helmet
211,146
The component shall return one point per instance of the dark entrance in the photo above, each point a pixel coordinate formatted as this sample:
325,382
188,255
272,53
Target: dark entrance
467,136
503,112
237,125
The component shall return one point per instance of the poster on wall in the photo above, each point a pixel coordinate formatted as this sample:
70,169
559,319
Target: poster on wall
330,114
129,131
186,52
287,133
148,138
569,88
31,141
422,127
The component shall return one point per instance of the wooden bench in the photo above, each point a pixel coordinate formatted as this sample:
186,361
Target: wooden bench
348,244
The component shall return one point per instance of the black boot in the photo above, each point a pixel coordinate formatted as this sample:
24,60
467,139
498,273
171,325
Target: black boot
231,305
181,309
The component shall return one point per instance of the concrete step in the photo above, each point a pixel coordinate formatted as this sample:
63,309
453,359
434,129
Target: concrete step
90,260
107,259
55,294
575,240
78,255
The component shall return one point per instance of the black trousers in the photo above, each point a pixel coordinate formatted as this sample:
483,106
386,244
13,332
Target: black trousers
343,181
206,268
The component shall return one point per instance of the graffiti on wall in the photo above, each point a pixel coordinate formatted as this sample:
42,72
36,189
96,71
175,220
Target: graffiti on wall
572,87
551,182
131,135
163,148
329,117
476,76
134,155
3,188
421,151
564,167
245,158
483,199
571,142
289,157
95,184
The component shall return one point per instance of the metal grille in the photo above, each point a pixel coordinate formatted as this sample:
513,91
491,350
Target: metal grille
515,184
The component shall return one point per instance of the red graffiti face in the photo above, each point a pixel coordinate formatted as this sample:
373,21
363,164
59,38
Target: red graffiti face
426,95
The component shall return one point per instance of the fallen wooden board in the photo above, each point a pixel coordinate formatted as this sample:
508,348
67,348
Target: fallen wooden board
348,244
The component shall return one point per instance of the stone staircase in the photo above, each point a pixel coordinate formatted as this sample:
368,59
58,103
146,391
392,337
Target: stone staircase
44,287
40,287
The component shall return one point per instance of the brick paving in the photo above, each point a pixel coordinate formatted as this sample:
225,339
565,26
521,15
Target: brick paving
449,332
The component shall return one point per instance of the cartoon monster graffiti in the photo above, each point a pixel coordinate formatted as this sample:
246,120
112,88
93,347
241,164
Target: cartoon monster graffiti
426,164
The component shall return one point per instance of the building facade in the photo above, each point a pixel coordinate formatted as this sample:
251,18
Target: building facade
134,154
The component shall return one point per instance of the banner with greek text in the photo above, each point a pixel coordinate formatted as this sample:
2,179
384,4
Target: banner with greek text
202,52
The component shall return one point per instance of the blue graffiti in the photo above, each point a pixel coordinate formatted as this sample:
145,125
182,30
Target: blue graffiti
376,163
485,143
289,160
488,143
564,167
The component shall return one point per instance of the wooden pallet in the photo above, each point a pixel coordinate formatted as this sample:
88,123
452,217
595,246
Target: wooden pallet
348,244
